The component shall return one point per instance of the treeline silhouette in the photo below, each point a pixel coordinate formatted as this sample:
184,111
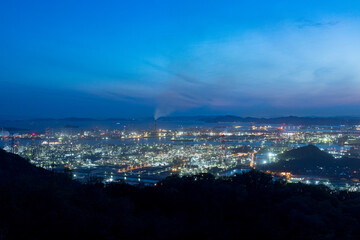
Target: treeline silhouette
38,204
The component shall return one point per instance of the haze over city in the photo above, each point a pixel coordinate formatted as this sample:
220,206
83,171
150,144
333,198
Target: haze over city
159,58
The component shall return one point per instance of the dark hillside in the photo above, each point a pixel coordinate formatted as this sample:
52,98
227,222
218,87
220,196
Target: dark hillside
310,159
36,204
12,165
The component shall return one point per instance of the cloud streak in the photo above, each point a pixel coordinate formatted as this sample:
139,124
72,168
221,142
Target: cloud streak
299,65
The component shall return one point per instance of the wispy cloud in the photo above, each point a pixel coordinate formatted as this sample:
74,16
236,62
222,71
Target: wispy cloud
315,24
301,64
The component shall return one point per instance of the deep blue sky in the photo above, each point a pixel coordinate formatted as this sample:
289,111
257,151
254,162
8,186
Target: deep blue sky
140,58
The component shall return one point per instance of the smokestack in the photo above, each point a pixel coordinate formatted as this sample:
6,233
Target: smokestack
155,125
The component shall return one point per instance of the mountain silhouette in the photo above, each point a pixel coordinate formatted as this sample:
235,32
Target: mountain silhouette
310,159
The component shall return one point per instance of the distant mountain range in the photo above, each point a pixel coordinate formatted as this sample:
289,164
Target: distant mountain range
71,119
342,120
278,120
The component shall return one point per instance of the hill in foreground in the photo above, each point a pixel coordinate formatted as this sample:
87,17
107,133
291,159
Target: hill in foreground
36,204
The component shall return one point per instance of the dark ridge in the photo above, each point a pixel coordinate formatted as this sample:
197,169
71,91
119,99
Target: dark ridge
12,129
120,119
311,160
71,126
278,120
12,166
73,119
289,120
307,153
37,204
227,119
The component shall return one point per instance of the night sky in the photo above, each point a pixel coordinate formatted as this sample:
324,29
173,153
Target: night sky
156,58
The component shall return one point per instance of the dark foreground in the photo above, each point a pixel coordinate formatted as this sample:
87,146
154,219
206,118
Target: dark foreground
37,204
